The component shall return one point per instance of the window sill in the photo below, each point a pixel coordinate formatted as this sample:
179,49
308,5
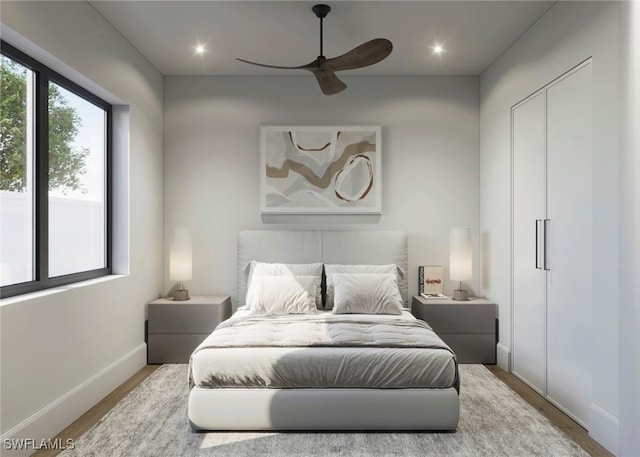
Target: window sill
56,290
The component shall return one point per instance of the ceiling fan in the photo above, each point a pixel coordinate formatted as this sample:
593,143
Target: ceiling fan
324,69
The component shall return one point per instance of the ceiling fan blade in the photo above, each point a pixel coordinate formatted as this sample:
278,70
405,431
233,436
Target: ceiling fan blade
324,69
362,56
329,82
303,67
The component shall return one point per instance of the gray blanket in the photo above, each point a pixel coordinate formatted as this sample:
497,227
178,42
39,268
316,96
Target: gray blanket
321,351
325,329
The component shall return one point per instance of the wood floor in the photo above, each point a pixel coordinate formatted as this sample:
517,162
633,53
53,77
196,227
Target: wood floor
555,416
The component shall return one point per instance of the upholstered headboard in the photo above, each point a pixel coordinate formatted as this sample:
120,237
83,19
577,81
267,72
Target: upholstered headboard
352,247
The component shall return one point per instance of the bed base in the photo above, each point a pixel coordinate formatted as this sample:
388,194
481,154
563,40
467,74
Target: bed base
323,409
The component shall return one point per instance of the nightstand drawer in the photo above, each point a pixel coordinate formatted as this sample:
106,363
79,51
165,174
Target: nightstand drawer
469,328
472,348
192,318
172,347
458,318
176,328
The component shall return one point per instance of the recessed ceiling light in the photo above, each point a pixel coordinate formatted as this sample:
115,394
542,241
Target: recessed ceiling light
200,49
437,49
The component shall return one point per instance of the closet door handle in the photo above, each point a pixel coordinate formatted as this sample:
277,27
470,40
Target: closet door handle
545,261
538,222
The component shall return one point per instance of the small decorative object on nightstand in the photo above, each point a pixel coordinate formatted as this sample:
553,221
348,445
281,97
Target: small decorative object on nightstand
176,328
460,261
430,280
469,328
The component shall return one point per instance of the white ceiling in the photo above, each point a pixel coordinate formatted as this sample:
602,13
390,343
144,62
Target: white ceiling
473,33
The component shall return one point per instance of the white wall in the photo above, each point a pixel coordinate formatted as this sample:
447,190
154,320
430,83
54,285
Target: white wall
568,34
430,157
630,243
63,350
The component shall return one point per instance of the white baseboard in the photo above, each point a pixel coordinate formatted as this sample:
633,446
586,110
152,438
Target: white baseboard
604,427
58,414
503,357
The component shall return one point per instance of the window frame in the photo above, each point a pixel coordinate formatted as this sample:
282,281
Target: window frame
42,76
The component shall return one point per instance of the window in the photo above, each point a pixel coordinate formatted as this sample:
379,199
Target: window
16,168
55,178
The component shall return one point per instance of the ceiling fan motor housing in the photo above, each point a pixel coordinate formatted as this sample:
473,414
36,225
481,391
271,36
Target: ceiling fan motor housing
321,10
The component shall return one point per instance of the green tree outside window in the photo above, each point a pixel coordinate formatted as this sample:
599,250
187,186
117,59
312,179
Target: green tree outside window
66,163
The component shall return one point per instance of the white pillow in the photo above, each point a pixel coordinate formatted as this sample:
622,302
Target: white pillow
254,268
366,294
331,270
282,295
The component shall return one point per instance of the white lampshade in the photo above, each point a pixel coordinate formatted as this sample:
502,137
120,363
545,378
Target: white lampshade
180,255
460,259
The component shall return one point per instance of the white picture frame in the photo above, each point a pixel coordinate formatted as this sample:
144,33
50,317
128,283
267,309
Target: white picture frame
320,169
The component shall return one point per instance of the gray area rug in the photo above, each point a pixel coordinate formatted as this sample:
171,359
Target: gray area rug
494,421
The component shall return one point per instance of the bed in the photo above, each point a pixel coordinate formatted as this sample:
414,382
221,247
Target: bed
321,370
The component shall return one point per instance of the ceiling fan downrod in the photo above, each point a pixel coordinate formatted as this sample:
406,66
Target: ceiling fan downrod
321,12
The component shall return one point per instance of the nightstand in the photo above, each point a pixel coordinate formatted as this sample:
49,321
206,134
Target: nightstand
176,328
468,327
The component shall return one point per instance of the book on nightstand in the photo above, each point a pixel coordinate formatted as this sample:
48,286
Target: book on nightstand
433,296
430,281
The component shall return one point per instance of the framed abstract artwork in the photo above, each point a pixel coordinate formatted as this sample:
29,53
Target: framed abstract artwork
320,170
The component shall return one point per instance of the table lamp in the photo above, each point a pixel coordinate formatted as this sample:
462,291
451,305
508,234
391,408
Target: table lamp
460,260
180,261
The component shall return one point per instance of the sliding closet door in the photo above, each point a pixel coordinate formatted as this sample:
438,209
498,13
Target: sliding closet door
528,344
569,243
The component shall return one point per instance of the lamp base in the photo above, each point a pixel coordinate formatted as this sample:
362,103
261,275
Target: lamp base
181,295
460,295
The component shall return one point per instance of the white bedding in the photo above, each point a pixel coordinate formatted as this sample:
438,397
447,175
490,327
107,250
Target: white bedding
323,350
